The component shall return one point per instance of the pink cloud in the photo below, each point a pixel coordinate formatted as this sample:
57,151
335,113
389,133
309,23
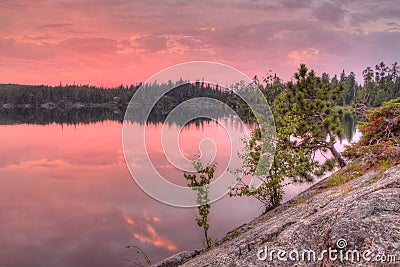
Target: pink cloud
114,42
304,55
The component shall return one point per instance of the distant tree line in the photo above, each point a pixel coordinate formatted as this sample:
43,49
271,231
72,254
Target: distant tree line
36,95
71,103
379,85
183,91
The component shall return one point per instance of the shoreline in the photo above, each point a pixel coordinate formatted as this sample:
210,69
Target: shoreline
314,216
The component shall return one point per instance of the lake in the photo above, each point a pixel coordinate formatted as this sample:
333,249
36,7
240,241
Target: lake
68,199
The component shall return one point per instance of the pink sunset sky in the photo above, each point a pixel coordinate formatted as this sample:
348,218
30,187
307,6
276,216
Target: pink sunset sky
116,42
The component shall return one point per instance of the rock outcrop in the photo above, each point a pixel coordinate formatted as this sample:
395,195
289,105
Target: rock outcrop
357,223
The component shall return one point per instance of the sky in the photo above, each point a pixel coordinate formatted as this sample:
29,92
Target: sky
112,42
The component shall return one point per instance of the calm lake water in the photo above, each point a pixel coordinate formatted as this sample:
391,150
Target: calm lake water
68,199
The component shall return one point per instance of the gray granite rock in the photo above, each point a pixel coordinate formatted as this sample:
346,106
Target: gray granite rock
352,219
177,259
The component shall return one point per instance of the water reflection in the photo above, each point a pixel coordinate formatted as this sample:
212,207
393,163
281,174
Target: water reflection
87,115
349,125
41,116
67,198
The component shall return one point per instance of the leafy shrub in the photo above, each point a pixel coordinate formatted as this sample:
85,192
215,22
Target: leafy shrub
379,145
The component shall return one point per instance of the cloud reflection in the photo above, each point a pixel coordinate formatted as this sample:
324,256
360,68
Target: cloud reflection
155,239
149,234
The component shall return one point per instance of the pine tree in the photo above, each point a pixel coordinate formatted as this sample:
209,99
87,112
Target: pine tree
314,102
306,123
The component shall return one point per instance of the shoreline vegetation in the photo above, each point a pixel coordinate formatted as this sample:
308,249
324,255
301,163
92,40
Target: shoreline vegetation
365,193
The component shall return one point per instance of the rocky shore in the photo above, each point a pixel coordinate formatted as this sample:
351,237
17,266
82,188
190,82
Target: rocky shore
356,223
